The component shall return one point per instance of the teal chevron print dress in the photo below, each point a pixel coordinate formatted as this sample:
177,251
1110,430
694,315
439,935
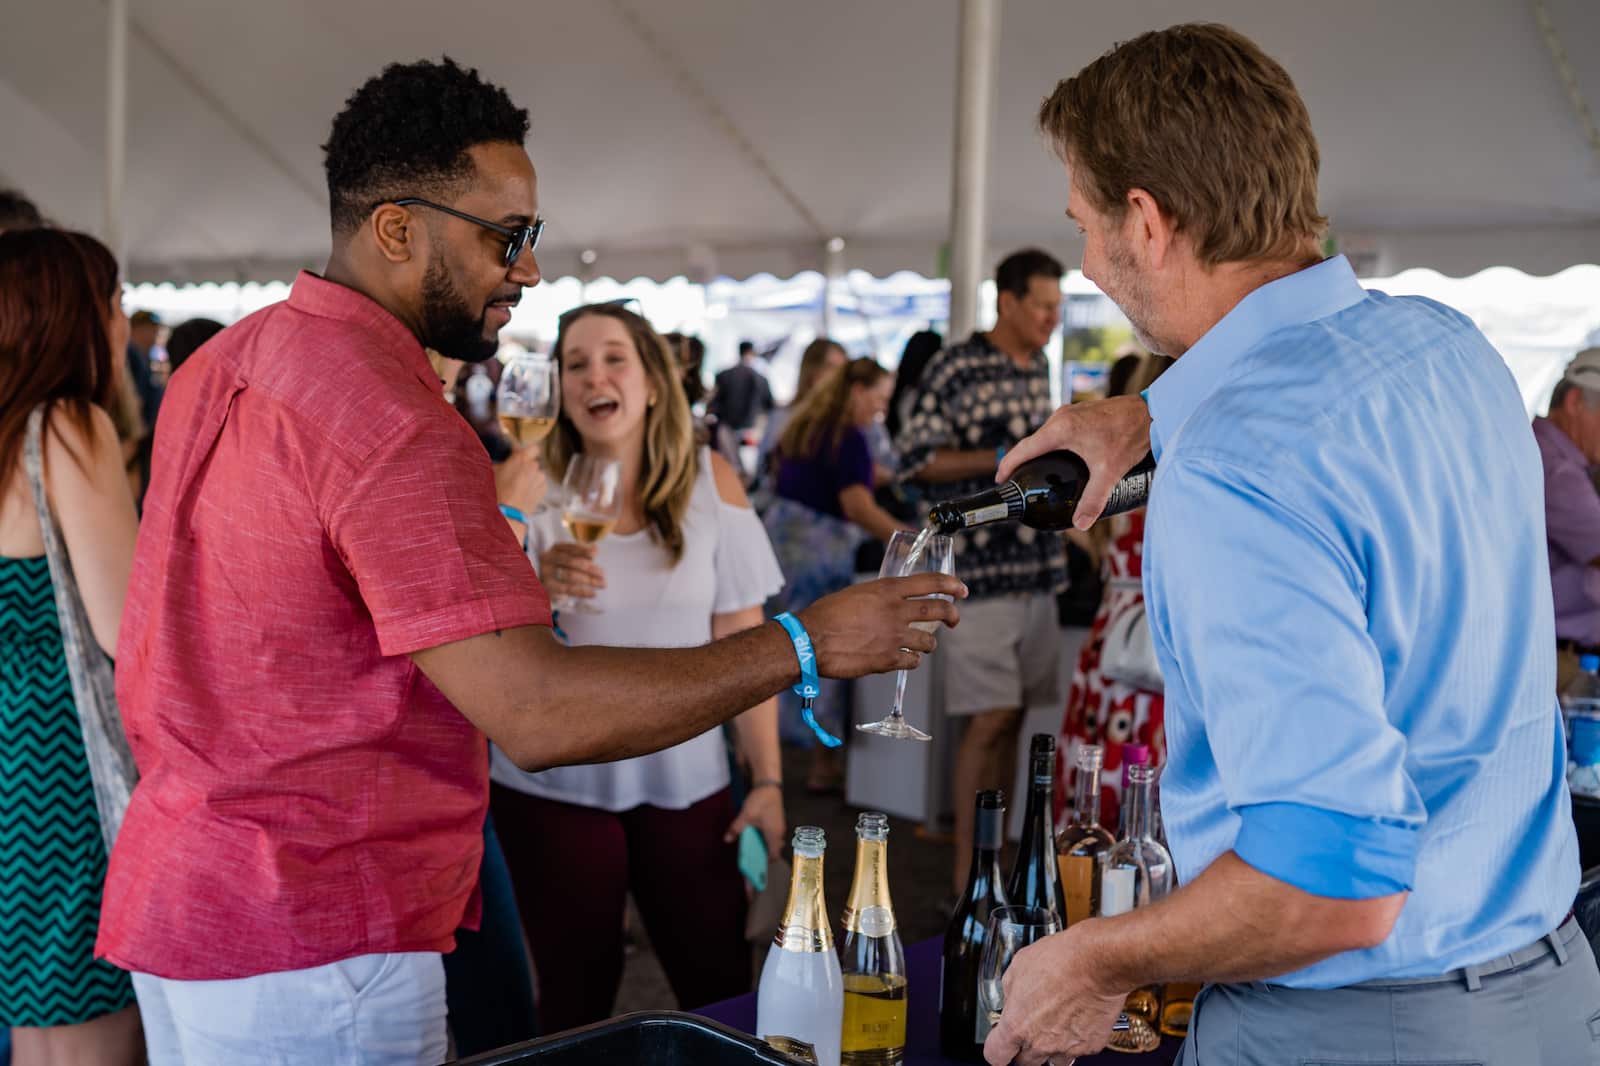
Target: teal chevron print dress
52,856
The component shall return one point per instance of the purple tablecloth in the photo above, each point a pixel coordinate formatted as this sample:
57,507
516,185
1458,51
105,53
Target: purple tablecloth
922,1022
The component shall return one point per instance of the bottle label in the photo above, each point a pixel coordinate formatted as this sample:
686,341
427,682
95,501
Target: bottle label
1132,491
1116,891
873,921
995,512
1077,885
1586,741
788,1045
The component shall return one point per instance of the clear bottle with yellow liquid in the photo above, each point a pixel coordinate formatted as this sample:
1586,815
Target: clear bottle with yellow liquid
871,956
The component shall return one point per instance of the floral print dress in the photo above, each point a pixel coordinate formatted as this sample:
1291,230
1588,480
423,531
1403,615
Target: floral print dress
1101,711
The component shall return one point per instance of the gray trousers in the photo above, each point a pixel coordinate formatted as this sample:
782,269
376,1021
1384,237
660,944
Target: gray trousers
1543,1012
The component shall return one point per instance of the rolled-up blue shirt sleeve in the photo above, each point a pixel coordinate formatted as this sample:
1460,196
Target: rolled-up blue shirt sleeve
1258,613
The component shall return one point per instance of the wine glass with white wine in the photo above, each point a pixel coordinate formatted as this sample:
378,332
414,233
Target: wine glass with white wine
911,553
591,503
528,398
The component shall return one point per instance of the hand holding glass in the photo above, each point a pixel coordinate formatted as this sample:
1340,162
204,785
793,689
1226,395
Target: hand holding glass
911,553
528,399
591,503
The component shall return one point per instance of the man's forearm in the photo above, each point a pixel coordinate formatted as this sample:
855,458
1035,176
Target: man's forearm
602,704
1233,923
547,705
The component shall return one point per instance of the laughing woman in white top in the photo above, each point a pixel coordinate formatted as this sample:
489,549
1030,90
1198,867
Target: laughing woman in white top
688,562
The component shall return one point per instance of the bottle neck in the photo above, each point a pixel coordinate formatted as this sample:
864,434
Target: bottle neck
1137,816
999,504
1037,830
987,839
869,911
1086,804
804,927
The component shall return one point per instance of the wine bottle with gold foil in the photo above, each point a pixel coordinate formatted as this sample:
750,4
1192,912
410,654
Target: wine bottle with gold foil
800,1000
1082,844
872,957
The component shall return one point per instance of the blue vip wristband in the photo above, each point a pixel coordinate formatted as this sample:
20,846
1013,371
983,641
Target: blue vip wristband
810,686
517,516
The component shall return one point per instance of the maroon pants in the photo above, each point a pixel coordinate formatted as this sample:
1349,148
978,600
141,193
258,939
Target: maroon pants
572,868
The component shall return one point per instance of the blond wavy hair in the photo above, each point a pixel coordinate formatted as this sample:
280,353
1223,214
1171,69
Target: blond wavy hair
818,424
671,459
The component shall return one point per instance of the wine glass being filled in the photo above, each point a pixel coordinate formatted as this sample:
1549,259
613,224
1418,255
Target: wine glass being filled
910,553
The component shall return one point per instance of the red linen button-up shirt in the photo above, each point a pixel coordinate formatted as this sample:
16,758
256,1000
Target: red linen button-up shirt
315,513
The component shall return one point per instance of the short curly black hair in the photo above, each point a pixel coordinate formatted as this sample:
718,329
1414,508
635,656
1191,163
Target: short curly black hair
406,132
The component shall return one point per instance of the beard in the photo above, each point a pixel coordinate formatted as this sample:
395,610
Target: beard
1133,296
447,321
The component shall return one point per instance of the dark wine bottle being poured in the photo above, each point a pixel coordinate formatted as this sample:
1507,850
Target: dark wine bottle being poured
1042,493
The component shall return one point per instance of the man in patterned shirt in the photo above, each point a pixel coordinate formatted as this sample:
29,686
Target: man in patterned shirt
978,398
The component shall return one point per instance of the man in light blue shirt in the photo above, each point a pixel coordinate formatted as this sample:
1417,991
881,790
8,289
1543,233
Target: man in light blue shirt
1345,579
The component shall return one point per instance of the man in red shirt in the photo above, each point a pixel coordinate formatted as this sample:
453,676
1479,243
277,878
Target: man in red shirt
326,609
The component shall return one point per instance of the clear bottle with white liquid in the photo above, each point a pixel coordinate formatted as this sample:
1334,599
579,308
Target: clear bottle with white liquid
800,1000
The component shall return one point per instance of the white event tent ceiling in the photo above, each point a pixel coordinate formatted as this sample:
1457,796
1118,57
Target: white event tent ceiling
1449,137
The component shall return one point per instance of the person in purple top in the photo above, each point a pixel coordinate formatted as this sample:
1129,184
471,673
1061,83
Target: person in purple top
1569,444
824,510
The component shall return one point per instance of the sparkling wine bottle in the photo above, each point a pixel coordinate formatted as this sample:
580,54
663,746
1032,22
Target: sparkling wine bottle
1138,872
1042,493
872,957
1083,842
963,1023
1033,879
800,1000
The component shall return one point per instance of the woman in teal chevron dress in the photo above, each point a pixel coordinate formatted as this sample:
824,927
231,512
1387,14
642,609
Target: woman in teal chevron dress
62,339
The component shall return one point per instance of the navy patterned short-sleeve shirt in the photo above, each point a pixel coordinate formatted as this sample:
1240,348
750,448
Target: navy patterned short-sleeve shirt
974,397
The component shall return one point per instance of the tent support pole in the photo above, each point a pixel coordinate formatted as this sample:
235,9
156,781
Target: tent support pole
116,123
977,43
832,270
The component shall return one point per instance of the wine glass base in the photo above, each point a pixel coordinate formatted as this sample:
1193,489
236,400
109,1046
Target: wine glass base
894,728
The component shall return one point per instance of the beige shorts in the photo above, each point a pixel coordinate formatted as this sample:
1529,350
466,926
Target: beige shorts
1005,654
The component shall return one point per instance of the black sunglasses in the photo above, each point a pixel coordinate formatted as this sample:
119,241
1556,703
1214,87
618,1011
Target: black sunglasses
518,238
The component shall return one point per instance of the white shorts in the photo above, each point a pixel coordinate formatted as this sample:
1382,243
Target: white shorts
1004,655
372,1010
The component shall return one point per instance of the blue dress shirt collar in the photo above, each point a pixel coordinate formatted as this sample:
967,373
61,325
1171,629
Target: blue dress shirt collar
1304,296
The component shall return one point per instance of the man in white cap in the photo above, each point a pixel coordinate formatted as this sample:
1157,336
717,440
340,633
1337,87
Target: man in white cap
1569,443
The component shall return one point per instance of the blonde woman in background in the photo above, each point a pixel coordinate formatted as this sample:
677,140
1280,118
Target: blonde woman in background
822,357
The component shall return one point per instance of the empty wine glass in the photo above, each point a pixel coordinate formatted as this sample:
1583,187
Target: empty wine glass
911,553
591,503
1010,930
528,398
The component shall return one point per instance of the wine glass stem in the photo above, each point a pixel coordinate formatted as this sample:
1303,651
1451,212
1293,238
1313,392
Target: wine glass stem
899,694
